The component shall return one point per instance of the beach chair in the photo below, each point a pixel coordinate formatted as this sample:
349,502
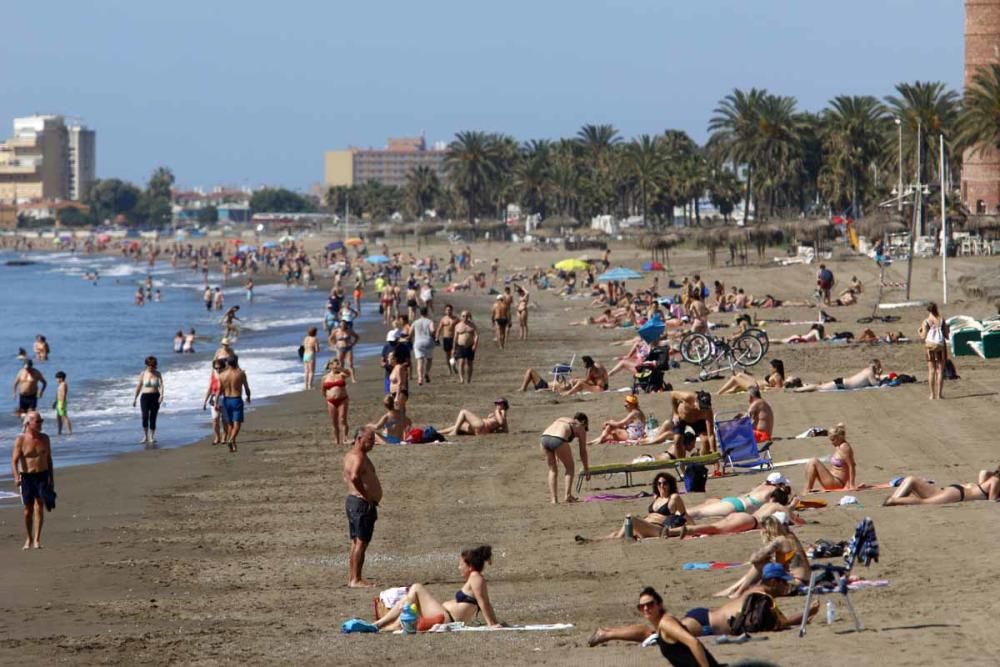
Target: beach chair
738,447
629,469
560,372
863,547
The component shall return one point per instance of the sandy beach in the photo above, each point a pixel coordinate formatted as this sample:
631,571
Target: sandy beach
196,556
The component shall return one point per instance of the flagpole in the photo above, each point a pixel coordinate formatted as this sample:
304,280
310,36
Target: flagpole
944,233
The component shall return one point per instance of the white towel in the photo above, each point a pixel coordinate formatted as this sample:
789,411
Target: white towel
537,627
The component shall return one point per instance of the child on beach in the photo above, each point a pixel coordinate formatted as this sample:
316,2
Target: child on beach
62,392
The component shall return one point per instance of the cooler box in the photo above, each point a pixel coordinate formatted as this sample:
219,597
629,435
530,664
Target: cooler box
960,342
989,346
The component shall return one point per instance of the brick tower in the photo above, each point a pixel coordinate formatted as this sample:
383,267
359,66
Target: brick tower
981,173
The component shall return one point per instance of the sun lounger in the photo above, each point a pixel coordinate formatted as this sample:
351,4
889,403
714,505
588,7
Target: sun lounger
628,469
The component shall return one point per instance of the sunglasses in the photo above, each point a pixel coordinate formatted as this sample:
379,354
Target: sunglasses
643,606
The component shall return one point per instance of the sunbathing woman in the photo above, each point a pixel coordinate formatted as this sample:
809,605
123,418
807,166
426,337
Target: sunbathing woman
815,334
742,522
468,423
752,501
743,381
867,377
840,474
470,599
635,356
334,388
780,546
629,428
596,380
533,379
917,491
666,511
605,319
393,425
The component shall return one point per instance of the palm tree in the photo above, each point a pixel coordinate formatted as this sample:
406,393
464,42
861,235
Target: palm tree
927,110
777,146
735,132
422,189
533,176
597,145
979,123
854,134
472,164
644,158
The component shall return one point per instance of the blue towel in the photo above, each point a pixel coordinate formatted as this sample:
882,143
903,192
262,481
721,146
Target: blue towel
357,625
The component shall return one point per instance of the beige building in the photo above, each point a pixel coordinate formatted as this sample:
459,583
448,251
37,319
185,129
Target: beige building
8,216
45,159
388,165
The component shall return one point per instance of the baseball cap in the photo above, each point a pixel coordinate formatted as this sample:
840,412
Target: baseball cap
499,297
775,571
776,478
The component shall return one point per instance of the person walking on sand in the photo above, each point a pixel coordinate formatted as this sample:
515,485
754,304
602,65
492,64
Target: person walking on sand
233,382
423,345
466,342
364,493
149,394
31,466
26,389
522,312
213,397
555,446
446,334
934,332
62,393
500,316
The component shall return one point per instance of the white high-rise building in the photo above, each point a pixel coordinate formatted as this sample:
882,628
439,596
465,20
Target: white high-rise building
46,159
82,160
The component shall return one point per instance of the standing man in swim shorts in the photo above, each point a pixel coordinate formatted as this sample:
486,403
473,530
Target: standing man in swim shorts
62,393
233,382
501,319
31,465
26,389
364,493
446,334
466,342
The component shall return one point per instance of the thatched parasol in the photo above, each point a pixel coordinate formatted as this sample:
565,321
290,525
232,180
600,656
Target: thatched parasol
591,233
559,222
429,228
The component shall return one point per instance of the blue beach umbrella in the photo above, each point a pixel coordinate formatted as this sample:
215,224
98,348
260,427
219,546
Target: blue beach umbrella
247,248
335,245
651,330
618,274
271,244
377,259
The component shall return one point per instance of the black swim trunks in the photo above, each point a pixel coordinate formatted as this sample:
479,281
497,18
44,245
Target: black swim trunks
839,383
447,344
38,485
698,427
26,402
541,384
361,518
465,352
501,322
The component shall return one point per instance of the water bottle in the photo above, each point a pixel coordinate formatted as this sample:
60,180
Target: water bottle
629,533
652,423
408,619
831,612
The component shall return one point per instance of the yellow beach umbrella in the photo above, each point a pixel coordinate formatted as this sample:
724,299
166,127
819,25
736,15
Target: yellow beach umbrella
571,265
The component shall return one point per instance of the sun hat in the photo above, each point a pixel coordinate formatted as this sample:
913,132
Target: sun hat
632,399
776,478
775,571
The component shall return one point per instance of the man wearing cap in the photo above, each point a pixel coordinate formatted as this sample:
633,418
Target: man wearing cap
466,342
31,465
761,414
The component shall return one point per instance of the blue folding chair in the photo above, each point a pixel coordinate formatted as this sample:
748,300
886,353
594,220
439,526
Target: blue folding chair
738,447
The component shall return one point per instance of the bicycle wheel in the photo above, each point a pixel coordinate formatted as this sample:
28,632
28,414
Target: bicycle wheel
696,348
747,350
760,335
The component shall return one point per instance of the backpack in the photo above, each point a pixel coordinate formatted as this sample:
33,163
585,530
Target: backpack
757,614
935,335
695,478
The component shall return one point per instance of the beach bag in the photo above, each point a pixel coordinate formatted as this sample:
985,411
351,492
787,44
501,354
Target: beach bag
430,434
756,615
302,352
695,478
935,336
415,436
950,372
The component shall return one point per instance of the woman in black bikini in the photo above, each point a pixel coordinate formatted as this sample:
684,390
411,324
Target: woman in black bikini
917,491
469,600
666,511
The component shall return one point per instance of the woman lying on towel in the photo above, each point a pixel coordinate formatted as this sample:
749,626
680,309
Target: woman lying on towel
469,424
742,522
780,546
917,491
840,474
867,377
743,381
666,510
470,599
815,334
629,428
749,502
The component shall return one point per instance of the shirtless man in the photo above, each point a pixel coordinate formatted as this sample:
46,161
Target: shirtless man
228,322
500,316
364,493
555,445
26,389
761,414
233,382
31,466
867,377
445,333
688,409
388,303
466,343
698,312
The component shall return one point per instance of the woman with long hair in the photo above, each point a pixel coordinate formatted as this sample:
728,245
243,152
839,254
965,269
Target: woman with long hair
334,388
780,546
149,394
666,511
743,381
934,333
918,491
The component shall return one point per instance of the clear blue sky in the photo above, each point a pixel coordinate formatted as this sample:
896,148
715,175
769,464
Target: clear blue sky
253,92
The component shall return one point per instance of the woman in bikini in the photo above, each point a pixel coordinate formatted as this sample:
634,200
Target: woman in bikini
596,380
555,446
334,388
742,522
310,347
344,340
149,394
522,312
749,502
635,356
392,426
840,474
666,511
867,377
780,546
815,334
934,333
468,423
630,428
743,381
469,601
917,491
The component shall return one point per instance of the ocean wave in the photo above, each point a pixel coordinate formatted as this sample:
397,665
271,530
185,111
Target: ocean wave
265,324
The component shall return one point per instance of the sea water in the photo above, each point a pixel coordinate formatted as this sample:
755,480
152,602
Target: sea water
100,339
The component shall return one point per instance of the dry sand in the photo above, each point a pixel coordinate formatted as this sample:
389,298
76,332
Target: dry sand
195,556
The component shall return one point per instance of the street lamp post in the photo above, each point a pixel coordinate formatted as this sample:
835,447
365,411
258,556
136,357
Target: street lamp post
899,130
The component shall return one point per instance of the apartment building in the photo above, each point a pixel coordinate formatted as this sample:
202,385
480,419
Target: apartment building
389,165
47,159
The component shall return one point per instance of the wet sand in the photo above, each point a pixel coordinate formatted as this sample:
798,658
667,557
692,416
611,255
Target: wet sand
196,556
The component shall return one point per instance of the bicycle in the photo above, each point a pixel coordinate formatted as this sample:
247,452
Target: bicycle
746,350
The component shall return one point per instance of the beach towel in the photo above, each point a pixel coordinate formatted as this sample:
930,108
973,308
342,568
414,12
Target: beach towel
600,497
462,627
354,625
861,487
711,566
